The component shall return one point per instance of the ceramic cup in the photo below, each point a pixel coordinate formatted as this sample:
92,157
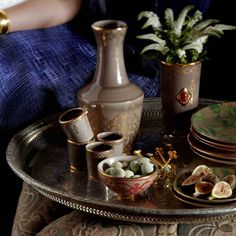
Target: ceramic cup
77,155
113,138
76,125
96,152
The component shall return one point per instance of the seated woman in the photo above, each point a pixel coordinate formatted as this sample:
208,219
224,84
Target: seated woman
48,52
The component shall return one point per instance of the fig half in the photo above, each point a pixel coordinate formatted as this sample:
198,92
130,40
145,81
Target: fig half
221,189
192,179
211,178
231,179
202,170
203,188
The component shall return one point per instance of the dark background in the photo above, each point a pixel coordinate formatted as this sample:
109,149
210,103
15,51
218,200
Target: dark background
218,73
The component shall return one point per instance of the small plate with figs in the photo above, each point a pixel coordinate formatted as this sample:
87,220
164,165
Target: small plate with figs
206,186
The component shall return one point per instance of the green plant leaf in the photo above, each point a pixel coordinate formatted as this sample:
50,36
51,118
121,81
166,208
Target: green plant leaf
169,16
212,31
156,47
153,19
181,19
196,34
192,21
200,26
222,27
196,44
152,37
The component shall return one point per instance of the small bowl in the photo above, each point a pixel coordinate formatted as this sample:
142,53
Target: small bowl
126,187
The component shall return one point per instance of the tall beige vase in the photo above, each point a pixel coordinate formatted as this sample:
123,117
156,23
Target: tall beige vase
114,103
179,91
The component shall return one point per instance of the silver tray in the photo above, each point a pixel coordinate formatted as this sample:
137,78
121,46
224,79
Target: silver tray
38,155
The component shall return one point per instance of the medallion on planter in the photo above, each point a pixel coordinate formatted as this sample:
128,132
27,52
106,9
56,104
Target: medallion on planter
183,96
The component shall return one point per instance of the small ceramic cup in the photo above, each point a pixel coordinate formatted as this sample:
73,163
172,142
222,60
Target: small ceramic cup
76,125
96,152
77,155
113,138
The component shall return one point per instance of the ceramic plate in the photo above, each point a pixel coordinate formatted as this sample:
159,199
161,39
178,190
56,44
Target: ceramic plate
194,203
213,159
186,194
208,150
217,122
213,143
186,201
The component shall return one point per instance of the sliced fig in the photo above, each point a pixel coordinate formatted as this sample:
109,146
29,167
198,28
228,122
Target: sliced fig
221,189
211,178
202,170
231,179
192,179
203,188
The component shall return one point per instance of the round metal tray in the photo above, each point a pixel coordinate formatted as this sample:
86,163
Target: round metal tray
38,155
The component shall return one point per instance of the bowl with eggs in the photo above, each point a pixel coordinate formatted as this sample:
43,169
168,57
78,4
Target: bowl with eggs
127,175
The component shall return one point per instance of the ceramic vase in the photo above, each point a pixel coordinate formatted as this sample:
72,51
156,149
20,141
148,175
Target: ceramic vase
114,103
179,93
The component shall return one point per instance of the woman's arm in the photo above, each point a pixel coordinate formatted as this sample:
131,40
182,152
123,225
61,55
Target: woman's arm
34,14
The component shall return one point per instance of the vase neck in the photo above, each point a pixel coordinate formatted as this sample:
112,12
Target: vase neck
110,67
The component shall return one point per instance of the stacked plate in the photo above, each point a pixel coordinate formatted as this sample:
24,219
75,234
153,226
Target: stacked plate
213,133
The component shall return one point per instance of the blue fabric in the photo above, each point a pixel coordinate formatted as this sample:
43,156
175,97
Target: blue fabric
42,70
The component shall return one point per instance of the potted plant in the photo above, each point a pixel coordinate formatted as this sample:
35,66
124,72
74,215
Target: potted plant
182,40
180,46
